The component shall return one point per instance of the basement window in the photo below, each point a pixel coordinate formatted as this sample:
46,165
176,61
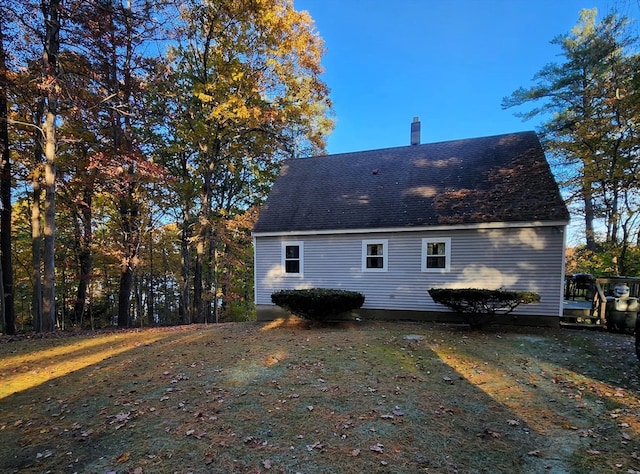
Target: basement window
436,255
374,255
292,258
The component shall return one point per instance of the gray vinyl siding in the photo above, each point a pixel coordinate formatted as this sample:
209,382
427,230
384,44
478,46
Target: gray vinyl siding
527,259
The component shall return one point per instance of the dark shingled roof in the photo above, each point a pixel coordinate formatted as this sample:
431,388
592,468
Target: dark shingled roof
504,178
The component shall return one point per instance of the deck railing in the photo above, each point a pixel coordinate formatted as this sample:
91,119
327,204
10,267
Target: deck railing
599,304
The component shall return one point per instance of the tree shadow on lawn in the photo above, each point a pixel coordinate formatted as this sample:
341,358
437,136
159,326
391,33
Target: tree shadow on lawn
580,389
239,398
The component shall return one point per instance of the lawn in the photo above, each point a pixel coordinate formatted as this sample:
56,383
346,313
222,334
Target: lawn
280,398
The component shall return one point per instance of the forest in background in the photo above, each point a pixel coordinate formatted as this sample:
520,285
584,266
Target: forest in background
138,139
589,105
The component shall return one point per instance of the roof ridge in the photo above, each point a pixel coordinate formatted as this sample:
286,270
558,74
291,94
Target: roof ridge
415,146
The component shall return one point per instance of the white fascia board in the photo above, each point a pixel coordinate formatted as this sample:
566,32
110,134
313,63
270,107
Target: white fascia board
431,228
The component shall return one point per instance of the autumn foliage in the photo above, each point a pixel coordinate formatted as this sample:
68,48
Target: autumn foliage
171,120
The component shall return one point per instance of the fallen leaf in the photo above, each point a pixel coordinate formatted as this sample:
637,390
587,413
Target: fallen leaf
378,448
535,452
489,433
513,422
355,452
124,457
316,445
267,464
121,417
595,452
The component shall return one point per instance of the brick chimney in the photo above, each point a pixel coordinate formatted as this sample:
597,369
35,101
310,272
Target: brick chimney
415,131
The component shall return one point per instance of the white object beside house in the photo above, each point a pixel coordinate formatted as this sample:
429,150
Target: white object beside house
392,223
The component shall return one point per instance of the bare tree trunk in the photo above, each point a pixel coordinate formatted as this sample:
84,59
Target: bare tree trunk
124,298
150,288
36,250
84,239
49,284
211,313
589,219
8,317
51,13
185,295
129,206
138,306
129,215
201,254
198,310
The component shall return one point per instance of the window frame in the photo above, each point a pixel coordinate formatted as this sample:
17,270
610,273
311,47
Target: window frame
300,259
384,256
447,254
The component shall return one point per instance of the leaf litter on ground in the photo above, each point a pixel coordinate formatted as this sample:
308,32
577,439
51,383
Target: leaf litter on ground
243,398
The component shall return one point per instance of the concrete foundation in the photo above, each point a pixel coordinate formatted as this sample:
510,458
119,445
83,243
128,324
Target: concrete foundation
272,312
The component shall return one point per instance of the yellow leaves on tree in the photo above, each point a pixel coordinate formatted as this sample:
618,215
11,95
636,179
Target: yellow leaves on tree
254,67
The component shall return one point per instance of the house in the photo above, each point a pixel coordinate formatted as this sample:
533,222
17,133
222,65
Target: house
392,223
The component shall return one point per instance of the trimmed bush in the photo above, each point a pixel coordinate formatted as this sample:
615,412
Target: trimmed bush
317,304
479,307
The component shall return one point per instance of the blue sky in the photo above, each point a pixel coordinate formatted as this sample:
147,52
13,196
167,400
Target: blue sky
449,62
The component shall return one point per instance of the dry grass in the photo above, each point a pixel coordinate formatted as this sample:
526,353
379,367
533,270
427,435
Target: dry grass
249,398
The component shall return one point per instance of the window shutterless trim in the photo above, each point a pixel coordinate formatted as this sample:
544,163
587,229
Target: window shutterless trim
446,255
370,258
289,261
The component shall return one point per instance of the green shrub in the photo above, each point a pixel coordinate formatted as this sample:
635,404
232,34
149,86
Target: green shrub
317,304
479,307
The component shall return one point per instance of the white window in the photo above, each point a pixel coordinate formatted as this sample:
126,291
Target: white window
374,255
292,258
436,255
